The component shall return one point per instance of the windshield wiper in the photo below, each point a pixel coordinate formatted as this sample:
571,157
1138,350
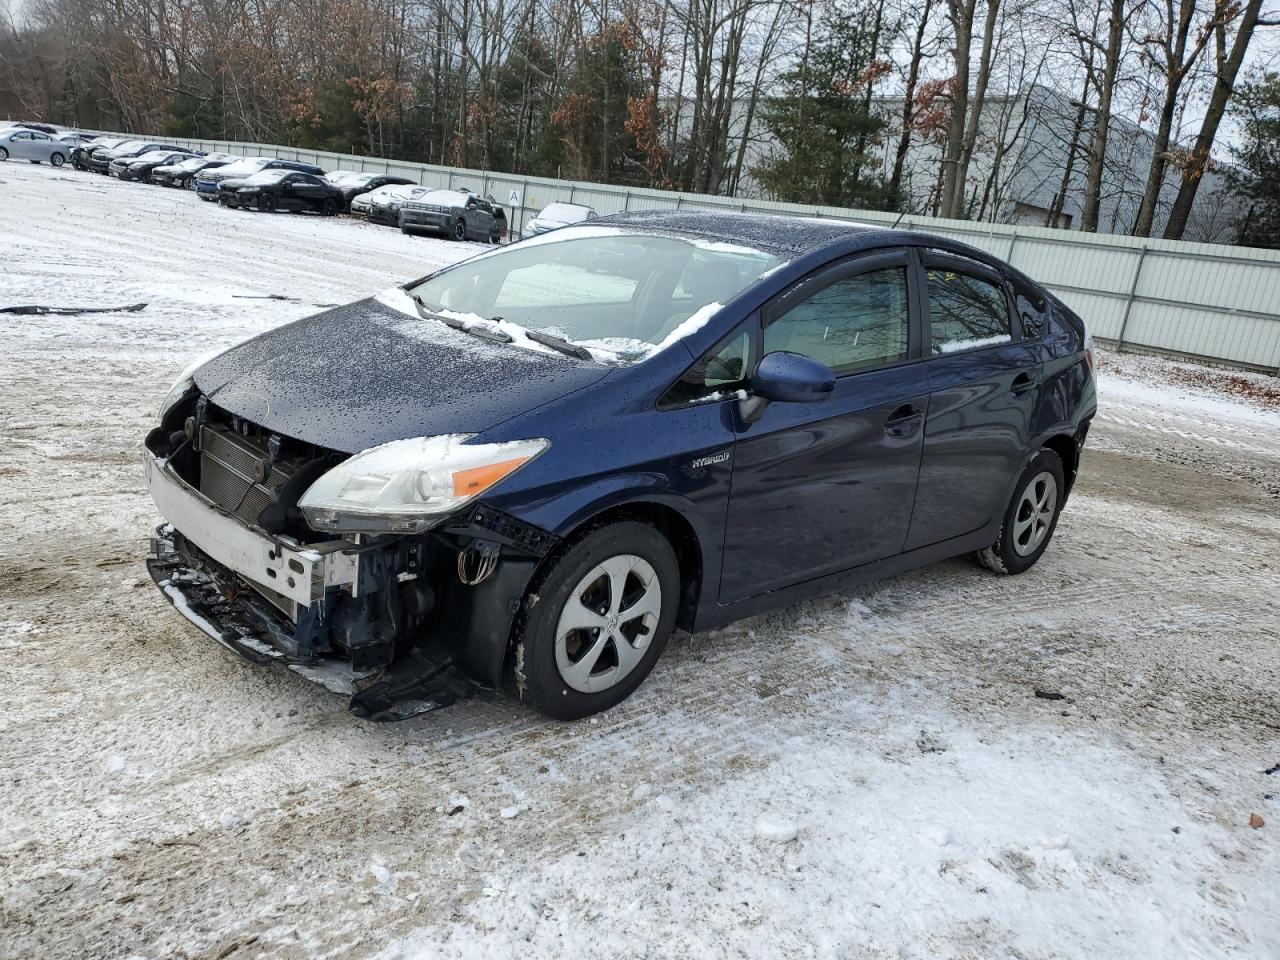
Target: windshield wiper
428,314
475,329
559,343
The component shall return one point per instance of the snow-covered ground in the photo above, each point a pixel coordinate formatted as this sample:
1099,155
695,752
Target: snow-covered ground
1062,764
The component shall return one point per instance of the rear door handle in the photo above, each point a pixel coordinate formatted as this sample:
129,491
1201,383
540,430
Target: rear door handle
1024,382
903,421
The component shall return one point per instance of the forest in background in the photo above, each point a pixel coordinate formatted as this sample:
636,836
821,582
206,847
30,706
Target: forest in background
672,93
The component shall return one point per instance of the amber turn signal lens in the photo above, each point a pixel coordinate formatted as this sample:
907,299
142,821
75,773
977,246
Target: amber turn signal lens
467,483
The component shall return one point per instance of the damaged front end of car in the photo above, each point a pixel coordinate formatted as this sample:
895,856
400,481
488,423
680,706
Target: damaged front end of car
380,575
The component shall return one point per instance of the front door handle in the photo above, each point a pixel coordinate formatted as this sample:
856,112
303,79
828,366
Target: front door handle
1024,382
903,421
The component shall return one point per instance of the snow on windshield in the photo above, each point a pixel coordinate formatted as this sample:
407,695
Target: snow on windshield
266,177
394,191
623,294
447,198
242,168
564,213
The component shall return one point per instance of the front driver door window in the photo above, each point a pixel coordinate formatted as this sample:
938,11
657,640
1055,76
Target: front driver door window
826,486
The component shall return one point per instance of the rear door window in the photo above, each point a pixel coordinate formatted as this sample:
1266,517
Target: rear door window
966,312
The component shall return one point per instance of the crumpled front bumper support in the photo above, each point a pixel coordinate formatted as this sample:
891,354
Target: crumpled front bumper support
214,599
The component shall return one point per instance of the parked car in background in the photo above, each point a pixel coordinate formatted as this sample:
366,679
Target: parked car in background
355,184
73,138
81,154
458,214
383,204
529,467
182,174
557,215
35,146
139,168
207,180
278,189
101,160
46,128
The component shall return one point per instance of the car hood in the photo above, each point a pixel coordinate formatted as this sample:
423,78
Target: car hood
364,374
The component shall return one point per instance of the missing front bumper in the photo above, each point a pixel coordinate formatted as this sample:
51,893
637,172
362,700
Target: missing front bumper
213,599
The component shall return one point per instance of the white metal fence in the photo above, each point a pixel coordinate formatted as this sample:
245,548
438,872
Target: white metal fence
1195,299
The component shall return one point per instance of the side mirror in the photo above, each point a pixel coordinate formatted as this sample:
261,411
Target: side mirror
792,378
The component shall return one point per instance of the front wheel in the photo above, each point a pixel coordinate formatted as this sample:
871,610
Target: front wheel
329,208
460,230
57,159
603,614
4,154
1030,518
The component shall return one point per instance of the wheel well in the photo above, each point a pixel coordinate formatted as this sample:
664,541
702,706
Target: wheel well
1064,446
679,534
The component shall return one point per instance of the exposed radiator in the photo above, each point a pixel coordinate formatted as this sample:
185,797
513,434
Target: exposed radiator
227,466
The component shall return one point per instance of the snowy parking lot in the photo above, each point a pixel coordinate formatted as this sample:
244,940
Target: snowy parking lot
1080,762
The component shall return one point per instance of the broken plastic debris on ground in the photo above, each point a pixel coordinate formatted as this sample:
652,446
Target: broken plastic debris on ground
161,798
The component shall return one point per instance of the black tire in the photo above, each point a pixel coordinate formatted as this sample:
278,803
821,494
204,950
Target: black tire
495,237
329,208
406,229
538,678
4,154
57,159
1016,549
459,231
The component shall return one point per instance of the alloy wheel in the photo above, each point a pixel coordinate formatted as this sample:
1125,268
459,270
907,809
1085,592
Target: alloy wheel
607,623
460,230
57,159
1035,513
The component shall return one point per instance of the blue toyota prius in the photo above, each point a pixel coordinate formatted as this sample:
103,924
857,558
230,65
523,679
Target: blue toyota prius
523,471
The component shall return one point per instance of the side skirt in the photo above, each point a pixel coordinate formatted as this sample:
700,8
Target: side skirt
721,614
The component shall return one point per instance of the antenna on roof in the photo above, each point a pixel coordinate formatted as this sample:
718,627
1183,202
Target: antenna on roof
899,220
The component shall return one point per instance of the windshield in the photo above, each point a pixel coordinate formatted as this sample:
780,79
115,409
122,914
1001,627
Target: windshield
266,176
564,213
242,168
626,293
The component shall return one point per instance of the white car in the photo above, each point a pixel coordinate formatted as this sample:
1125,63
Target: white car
383,204
557,215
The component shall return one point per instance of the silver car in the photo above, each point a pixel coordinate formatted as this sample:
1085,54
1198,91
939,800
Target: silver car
557,215
19,144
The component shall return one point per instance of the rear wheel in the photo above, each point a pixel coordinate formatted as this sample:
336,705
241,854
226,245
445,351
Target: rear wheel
603,614
57,159
4,154
1030,518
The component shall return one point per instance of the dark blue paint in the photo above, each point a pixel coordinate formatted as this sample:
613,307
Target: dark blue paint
892,468
792,378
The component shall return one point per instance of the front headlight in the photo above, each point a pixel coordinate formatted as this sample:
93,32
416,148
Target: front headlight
407,486
187,379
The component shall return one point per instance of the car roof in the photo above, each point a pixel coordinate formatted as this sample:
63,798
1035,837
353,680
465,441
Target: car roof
793,237
789,236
